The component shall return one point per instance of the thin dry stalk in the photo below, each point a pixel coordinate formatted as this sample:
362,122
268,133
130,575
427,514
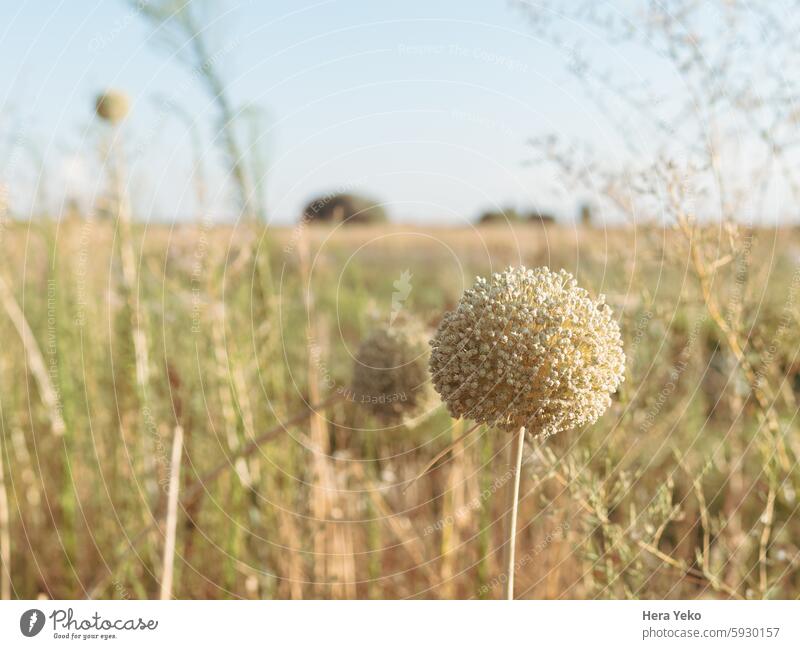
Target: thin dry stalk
202,483
130,284
226,397
35,359
192,496
344,568
322,490
290,539
400,525
246,410
704,558
512,529
731,336
596,511
681,567
31,485
168,565
322,487
130,275
453,502
764,541
186,21
130,279
5,532
450,447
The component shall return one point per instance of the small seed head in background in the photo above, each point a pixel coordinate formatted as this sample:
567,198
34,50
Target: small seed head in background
528,348
112,106
390,374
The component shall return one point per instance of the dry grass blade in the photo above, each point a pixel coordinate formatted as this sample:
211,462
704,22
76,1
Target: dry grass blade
452,510
291,539
36,363
5,532
211,476
447,449
226,396
323,488
766,519
130,275
168,565
194,494
400,526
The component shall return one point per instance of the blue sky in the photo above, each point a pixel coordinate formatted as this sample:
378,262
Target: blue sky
425,105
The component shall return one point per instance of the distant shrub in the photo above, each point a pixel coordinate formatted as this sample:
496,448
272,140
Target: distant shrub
499,216
586,214
344,208
537,216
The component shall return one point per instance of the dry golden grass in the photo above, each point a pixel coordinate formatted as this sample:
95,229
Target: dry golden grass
686,488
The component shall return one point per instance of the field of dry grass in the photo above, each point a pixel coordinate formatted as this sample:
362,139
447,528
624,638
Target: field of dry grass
685,488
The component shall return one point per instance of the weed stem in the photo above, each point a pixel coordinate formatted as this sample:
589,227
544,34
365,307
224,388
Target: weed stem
512,528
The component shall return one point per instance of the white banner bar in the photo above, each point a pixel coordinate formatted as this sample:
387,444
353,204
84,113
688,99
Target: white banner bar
457,625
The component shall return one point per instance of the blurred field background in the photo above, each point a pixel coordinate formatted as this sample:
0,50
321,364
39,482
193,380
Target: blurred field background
681,490
178,330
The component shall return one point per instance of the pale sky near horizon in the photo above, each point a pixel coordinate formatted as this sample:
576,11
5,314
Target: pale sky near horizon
425,105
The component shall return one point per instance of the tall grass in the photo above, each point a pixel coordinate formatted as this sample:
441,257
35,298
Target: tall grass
685,489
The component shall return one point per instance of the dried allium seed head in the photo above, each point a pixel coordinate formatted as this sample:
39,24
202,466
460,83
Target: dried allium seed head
112,106
390,375
528,348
